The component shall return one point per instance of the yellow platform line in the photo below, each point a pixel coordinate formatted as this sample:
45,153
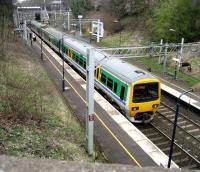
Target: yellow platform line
107,128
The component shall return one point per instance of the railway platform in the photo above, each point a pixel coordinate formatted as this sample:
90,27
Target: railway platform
191,98
118,138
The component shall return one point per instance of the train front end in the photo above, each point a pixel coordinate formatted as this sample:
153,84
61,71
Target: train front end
144,100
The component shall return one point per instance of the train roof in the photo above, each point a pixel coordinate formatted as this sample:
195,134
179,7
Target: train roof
123,70
38,24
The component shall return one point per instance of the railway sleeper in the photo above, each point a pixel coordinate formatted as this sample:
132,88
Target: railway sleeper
187,162
147,130
163,111
154,139
182,122
179,153
194,166
193,130
158,140
182,161
166,149
152,134
187,126
170,115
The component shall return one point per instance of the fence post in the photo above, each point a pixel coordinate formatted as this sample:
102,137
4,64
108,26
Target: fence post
165,59
68,20
98,30
160,53
181,53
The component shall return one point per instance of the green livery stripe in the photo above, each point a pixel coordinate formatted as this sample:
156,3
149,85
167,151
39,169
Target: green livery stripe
115,80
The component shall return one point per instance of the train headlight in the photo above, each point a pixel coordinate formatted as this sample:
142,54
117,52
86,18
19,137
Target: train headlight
155,106
135,108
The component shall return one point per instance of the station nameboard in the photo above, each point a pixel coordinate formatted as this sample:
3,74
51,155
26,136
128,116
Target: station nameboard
95,26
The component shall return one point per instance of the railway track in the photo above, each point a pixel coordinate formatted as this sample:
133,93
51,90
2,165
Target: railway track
161,138
186,152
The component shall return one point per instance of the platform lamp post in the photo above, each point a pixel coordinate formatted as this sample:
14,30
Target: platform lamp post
90,101
120,32
63,62
80,24
182,45
68,19
41,44
174,126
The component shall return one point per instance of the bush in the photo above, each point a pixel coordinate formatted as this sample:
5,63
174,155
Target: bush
5,23
180,15
22,94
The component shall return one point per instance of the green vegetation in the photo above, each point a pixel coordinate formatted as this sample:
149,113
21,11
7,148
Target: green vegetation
181,16
79,7
116,41
34,119
6,10
153,63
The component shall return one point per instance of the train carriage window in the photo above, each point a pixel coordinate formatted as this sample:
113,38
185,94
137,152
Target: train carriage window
110,83
103,78
84,64
122,92
77,59
73,54
81,62
115,87
62,47
74,58
66,50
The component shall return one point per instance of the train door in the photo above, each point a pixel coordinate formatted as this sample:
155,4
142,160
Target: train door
97,72
70,52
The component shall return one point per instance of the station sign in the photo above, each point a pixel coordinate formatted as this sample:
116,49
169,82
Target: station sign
95,26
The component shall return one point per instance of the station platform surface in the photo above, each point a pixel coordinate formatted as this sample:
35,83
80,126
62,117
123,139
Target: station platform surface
121,143
176,91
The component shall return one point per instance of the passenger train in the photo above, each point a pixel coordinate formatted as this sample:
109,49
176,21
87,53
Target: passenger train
135,92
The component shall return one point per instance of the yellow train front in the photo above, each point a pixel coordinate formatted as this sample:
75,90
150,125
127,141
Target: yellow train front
144,100
134,91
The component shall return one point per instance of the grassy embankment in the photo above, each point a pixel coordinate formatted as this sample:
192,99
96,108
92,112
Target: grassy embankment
116,40
113,41
35,121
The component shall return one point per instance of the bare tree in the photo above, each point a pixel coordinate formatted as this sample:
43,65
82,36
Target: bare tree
5,24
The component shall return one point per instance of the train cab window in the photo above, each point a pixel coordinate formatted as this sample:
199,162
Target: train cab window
103,78
122,92
115,87
145,92
110,83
